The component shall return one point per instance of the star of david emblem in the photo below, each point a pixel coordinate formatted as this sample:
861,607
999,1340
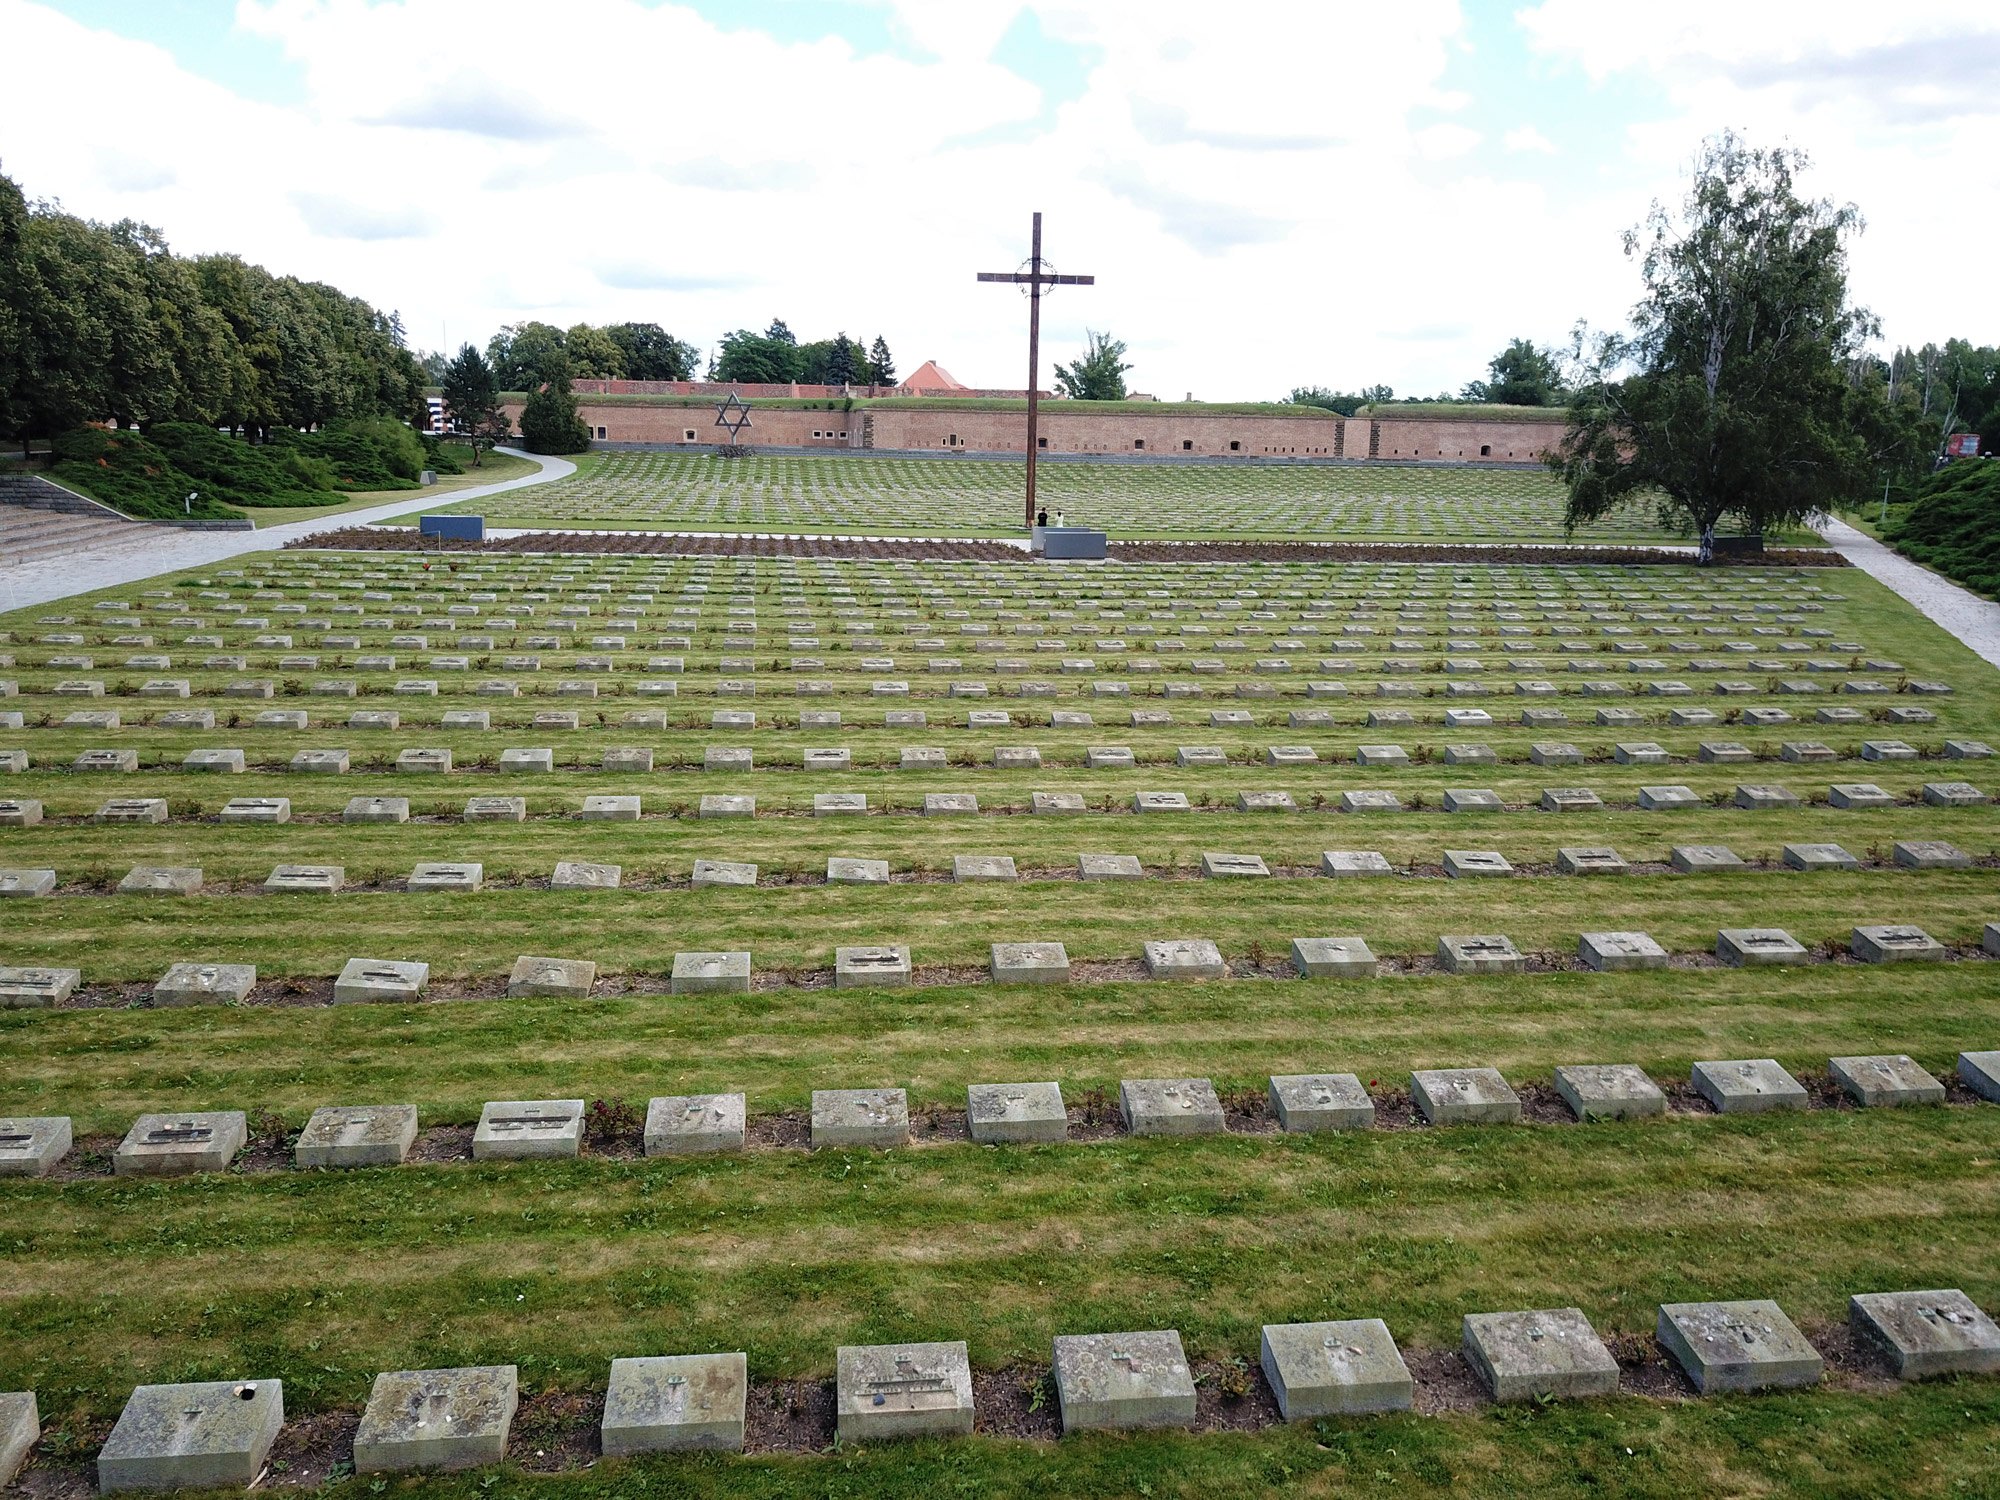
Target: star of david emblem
733,414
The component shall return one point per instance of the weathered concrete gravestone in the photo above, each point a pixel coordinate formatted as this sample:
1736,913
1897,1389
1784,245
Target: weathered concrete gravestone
711,974
437,1419
370,1135
860,1117
1486,953
687,1124
517,1129
36,989
1334,958
1305,1102
677,1402
179,1145
1749,1086
881,965
1335,1369
203,1436
1878,1082
723,872
1926,1334
1737,1346
205,984
902,1390
1184,958
1013,1113
20,1430
1342,863
1898,944
1120,1380
315,879
1030,963
1616,952
1523,1356
563,978
160,880
1465,1096
29,1147
1609,1091
1744,947
1170,1106
1591,860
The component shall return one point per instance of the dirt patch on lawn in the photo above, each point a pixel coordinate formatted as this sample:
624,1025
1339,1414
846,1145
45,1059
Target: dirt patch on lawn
791,1131
556,1430
1017,1403
442,1143
309,1449
1444,1382
792,1416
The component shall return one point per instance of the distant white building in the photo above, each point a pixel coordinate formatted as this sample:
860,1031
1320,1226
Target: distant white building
435,421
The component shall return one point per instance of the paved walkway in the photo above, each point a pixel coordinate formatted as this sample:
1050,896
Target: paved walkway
1973,620
151,550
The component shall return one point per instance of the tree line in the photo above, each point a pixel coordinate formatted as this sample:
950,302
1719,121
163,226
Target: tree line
103,322
776,357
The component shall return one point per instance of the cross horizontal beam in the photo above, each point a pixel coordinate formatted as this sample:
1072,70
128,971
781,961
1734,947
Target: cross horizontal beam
1025,277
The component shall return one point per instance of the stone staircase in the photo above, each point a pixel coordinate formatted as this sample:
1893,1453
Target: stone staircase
41,522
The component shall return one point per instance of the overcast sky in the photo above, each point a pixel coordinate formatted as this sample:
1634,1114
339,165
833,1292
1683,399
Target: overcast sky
1270,194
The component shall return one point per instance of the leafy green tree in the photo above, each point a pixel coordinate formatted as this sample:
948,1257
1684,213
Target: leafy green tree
523,355
549,423
840,361
594,354
759,359
472,401
1319,395
1099,375
1522,375
1730,398
881,365
651,353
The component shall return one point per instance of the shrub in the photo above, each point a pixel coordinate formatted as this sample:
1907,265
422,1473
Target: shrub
1954,525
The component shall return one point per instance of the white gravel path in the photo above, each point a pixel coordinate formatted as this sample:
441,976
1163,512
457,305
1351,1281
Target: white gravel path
151,550
1973,620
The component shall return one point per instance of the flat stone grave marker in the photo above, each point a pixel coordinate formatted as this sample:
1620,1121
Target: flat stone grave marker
1109,867
726,805
1017,758
437,1419
1980,1071
1381,755
189,718
1618,718
1467,718
1470,755
1490,953
205,984
579,875
370,1135
179,1145
708,872
711,974
726,758
1363,801
675,1403
1856,796
1151,717
376,810
1462,864
1764,718
323,762
257,810
1541,718
1107,758
223,762
1123,1380
1640,753
1690,858
1611,1091
950,804
982,867
988,718
497,809
313,879
1201,755
1159,802
1840,716
1307,1102
1737,1346
1967,750
1618,952
365,980
905,718
1016,1113
839,804
1223,866
1723,752
860,1117
1668,798
374,718
519,1129
1334,958
1593,860
1554,753
878,966
1897,944
1749,1086
1471,799
36,989
208,1435
1465,1096
1881,1082
688,1124
160,880
133,810
825,759
1343,863
1752,797
1744,947
447,877
1887,750
1335,1369
841,870
1030,963
561,978
1310,718
1953,794
1170,1106
467,718
1819,857
1693,718
902,1390
29,1147
1390,718
1526,1356
26,882
1930,854
610,809
1926,1334
1806,751
1184,958
923,758
1056,802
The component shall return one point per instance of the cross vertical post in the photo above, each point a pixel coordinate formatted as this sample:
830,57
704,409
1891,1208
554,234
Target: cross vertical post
1034,276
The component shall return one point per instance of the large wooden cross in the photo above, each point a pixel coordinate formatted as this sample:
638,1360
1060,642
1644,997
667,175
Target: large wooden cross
1034,276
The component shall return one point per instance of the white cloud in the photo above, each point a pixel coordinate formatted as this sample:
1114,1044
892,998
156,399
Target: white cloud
1259,213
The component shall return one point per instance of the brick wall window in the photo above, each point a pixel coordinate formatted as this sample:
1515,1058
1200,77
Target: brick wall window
1187,445
1235,446
687,434
1138,442
1485,450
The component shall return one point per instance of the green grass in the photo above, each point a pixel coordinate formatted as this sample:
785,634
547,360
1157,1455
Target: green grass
322,1279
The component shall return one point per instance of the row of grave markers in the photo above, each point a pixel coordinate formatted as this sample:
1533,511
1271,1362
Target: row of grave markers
215,1433
888,965
184,1144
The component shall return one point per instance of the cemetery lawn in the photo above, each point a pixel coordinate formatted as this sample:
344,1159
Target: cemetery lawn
493,469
